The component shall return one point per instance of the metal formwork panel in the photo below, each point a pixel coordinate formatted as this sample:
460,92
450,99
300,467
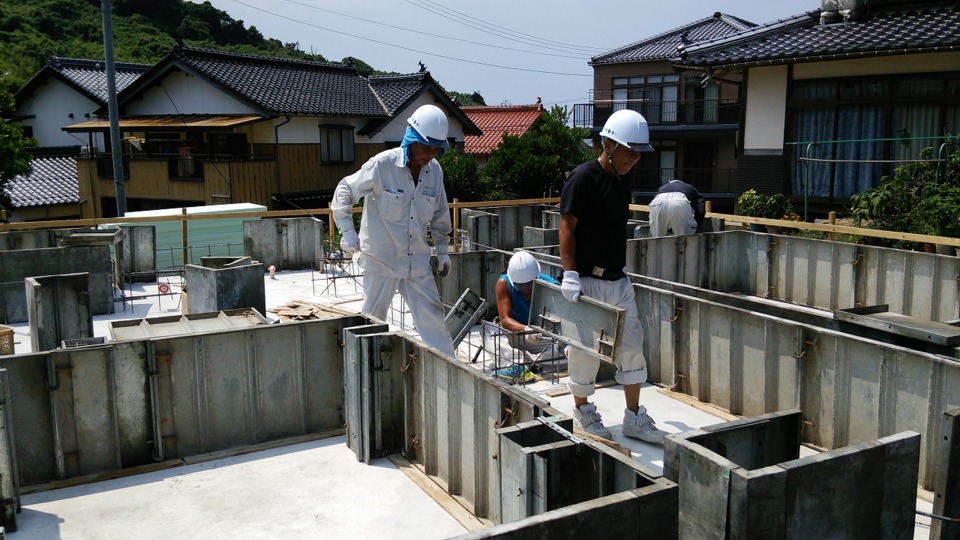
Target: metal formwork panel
591,325
921,285
482,229
813,273
474,270
466,311
9,476
946,501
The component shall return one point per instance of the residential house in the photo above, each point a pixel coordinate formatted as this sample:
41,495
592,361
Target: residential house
835,99
66,91
693,118
211,127
50,191
497,121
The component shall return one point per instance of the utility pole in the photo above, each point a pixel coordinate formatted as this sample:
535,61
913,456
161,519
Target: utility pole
113,109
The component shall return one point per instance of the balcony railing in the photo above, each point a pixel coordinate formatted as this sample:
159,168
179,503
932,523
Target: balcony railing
180,166
698,112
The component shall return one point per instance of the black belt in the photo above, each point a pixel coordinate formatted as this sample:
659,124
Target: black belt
608,275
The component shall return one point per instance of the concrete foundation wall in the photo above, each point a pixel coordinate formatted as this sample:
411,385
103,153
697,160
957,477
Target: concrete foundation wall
850,389
225,283
103,408
59,310
47,238
287,244
20,264
815,273
743,479
498,227
138,253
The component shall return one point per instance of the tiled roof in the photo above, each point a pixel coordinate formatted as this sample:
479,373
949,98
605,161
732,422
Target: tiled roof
282,86
52,181
87,76
895,30
495,121
395,91
664,46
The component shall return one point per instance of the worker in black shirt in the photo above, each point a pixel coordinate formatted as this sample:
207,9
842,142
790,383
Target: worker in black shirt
593,244
677,209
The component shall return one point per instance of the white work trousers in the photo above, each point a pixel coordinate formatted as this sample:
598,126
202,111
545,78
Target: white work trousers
421,296
631,365
671,211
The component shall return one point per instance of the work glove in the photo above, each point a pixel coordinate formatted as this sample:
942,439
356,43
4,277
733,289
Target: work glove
533,336
349,241
443,265
570,286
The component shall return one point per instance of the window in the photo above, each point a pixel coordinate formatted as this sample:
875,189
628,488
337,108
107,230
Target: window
869,114
228,145
653,96
336,144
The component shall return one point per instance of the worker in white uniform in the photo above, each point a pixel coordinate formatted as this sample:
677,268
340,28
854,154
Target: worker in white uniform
677,209
404,197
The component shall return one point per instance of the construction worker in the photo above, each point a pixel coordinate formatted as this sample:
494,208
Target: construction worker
593,240
405,197
513,291
677,209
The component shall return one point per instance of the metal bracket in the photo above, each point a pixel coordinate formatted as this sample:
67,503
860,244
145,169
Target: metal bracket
546,420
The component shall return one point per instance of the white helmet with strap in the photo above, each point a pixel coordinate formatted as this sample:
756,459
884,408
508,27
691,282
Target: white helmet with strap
628,128
523,268
430,123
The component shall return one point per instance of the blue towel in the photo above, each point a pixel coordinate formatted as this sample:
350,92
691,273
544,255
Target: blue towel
411,136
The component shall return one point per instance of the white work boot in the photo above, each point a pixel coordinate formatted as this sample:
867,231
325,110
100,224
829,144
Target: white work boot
589,419
641,426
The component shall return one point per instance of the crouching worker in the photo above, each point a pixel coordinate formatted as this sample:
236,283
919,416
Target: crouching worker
404,197
513,291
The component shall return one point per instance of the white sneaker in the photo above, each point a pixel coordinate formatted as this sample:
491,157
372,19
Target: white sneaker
589,419
641,426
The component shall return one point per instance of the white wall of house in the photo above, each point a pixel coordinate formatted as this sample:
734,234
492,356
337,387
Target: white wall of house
886,65
51,105
180,93
766,110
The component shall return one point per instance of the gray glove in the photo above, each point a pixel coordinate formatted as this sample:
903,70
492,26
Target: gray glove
443,264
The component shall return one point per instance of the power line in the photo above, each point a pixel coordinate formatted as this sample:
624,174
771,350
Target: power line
504,33
428,53
430,34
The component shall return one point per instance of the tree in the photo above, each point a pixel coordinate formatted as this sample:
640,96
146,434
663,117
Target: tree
536,163
14,157
461,176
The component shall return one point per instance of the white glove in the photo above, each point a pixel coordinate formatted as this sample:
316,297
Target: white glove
443,264
349,241
570,286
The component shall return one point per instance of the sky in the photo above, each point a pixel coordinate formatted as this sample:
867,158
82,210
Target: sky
510,51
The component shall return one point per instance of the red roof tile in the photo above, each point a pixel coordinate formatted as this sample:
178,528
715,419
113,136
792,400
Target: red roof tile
494,121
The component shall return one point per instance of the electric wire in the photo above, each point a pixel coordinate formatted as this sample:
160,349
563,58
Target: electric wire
428,53
441,36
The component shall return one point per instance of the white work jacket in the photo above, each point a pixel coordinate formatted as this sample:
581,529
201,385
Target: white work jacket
396,214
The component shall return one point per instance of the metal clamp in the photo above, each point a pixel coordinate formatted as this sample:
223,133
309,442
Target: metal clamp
545,420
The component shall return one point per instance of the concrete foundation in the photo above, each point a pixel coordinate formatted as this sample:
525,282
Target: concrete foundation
225,283
20,264
287,244
59,310
138,253
744,479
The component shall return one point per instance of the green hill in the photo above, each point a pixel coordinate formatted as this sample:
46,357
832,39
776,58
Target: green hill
33,32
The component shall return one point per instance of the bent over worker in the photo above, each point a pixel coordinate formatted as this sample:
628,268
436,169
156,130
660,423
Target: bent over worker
677,209
405,197
594,209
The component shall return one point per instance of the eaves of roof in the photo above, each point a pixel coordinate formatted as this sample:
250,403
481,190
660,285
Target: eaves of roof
802,38
87,77
386,88
664,46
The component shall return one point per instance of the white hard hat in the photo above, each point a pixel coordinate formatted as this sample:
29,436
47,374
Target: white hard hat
628,128
430,123
523,268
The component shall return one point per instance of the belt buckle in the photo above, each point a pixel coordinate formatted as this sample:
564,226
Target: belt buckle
598,272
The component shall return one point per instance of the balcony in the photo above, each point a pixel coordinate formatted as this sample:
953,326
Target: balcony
661,113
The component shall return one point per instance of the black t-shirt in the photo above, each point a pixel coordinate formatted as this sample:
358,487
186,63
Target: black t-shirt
599,201
692,195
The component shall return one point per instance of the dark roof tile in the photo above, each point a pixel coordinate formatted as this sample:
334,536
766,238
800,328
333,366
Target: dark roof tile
52,181
885,31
